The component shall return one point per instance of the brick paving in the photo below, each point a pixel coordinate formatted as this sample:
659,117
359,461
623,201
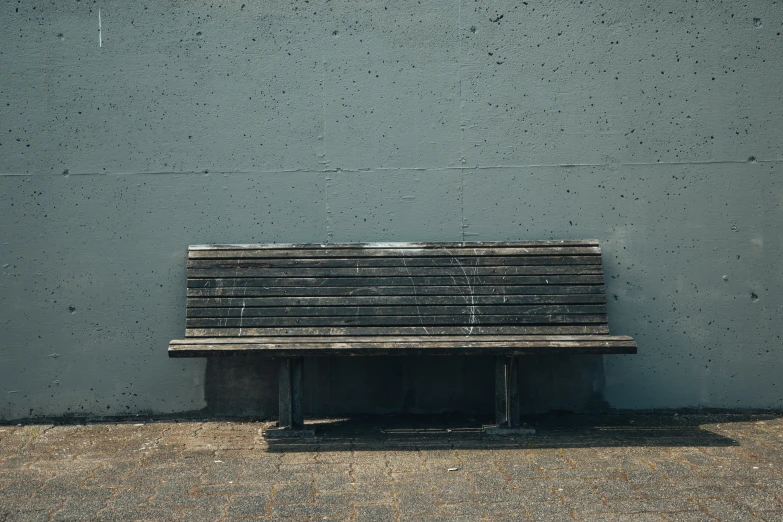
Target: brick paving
583,468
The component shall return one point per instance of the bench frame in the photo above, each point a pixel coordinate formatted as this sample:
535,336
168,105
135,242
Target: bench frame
326,340
291,393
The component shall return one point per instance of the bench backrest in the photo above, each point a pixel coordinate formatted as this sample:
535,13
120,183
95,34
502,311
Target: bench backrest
543,287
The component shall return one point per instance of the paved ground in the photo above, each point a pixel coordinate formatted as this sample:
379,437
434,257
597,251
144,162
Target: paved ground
618,467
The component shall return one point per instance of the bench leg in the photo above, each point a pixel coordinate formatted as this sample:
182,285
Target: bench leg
297,393
512,378
501,397
284,395
291,396
507,391
291,399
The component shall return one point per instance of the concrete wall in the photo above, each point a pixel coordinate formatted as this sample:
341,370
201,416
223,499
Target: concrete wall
654,127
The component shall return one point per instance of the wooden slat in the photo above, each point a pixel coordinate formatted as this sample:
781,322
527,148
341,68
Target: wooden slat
464,275
394,261
411,339
431,300
534,294
463,310
413,281
582,349
386,245
378,331
594,305
391,348
434,251
395,320
402,345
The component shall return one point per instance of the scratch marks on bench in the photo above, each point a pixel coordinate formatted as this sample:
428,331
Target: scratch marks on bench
415,295
242,312
471,301
358,307
241,316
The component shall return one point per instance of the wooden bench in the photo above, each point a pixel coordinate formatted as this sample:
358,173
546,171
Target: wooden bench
292,301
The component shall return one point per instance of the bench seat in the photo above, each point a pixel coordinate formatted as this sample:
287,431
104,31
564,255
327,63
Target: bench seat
503,299
409,345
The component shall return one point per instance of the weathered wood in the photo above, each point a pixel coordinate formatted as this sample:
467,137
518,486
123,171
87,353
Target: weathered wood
289,311
535,294
588,279
297,393
464,274
354,301
381,331
308,348
375,306
387,245
505,299
379,291
358,351
372,350
512,385
395,320
501,405
476,251
284,393
410,339
380,262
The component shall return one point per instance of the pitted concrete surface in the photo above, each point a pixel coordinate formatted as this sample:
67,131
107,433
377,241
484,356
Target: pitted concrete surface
584,468
653,127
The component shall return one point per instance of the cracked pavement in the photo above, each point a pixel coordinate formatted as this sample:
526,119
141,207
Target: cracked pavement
577,468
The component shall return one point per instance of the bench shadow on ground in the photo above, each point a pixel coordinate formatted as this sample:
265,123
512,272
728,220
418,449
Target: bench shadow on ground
552,431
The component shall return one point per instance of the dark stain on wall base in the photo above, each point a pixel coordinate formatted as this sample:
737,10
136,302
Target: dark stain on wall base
241,387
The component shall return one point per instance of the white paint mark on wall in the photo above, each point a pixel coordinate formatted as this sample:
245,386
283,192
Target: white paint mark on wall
100,31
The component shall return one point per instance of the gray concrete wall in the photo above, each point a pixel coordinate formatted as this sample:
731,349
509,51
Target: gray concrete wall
654,127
